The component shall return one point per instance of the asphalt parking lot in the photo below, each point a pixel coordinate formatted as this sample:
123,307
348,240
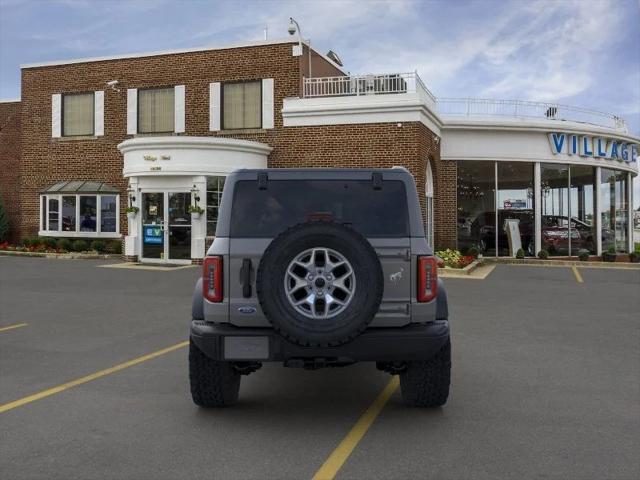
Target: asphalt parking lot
545,384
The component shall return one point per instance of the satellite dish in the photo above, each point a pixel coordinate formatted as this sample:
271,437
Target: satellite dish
333,56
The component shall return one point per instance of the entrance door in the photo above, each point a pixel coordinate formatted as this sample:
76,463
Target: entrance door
179,231
166,227
153,227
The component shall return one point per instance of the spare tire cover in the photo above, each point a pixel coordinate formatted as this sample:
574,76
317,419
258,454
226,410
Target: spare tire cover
319,283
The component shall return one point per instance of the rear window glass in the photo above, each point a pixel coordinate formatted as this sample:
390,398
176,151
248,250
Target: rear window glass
266,213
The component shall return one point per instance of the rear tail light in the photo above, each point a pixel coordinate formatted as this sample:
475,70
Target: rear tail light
212,279
427,278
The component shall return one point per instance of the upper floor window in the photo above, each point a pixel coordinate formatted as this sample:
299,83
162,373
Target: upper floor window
156,112
78,113
242,105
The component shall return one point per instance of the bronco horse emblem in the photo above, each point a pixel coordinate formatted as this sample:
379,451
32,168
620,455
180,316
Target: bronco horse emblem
395,277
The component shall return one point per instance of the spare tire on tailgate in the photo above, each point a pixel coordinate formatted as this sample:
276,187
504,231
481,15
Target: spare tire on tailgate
319,283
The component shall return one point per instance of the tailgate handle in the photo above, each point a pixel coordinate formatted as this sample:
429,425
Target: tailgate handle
245,277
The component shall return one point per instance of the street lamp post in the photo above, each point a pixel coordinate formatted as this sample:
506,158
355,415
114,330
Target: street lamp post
293,28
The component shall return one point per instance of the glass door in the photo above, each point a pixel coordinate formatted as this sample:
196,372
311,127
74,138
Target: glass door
153,226
179,244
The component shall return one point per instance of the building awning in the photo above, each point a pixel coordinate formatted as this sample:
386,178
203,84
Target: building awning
80,186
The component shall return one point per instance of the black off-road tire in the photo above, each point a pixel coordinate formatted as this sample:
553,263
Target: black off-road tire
426,383
344,326
213,383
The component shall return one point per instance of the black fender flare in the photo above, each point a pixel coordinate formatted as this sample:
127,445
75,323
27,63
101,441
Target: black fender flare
197,307
442,306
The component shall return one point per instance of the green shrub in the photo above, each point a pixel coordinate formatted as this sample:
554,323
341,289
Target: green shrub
48,242
543,254
473,251
64,244
98,246
4,223
583,255
520,253
115,246
611,249
80,246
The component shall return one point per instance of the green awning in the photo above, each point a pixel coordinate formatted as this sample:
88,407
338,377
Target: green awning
80,186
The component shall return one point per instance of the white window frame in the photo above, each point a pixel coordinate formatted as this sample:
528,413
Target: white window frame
44,216
98,114
428,192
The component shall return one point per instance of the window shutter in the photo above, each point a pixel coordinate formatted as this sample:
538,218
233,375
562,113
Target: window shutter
56,115
178,110
98,112
267,103
214,106
132,111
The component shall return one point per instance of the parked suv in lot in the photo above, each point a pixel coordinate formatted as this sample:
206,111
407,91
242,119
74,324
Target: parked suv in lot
315,268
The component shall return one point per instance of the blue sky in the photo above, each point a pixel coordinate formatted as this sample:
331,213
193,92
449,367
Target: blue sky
580,52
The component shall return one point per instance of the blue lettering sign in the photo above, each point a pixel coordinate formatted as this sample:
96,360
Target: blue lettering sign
573,148
586,148
634,153
614,150
601,151
624,152
557,142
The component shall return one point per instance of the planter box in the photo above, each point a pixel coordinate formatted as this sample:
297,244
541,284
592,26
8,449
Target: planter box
195,216
131,216
609,257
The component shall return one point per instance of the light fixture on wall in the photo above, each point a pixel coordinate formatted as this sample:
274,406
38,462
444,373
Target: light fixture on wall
297,52
132,197
195,193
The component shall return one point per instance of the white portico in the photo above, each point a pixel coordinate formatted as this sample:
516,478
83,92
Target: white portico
171,179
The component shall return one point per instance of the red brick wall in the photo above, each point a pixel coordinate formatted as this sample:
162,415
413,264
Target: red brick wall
10,163
46,160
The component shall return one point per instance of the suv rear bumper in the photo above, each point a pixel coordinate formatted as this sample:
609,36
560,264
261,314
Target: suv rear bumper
228,343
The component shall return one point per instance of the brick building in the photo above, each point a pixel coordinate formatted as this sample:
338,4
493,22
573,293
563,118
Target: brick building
160,131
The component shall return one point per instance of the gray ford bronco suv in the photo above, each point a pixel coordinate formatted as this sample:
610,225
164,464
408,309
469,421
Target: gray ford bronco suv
316,268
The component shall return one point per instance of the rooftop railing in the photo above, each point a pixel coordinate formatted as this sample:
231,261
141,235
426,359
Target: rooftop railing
520,108
356,85
399,83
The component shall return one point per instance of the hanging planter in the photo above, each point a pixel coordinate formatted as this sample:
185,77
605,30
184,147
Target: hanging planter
195,211
132,212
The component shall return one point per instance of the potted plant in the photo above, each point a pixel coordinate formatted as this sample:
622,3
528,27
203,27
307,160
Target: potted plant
635,255
195,211
543,254
583,255
520,254
131,212
610,255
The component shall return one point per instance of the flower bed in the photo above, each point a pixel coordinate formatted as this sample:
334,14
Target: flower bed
455,259
64,245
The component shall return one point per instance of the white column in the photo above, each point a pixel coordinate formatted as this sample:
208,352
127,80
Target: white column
537,187
132,239
598,219
199,226
630,212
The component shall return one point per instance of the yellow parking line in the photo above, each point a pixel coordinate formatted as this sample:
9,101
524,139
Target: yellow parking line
88,378
577,274
11,327
330,467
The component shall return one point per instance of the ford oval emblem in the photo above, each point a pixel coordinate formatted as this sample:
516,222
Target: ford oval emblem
247,310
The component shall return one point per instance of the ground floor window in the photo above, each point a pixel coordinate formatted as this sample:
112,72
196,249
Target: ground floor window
78,215
614,211
494,196
214,194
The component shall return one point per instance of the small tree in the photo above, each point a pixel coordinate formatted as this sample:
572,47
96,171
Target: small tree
4,223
